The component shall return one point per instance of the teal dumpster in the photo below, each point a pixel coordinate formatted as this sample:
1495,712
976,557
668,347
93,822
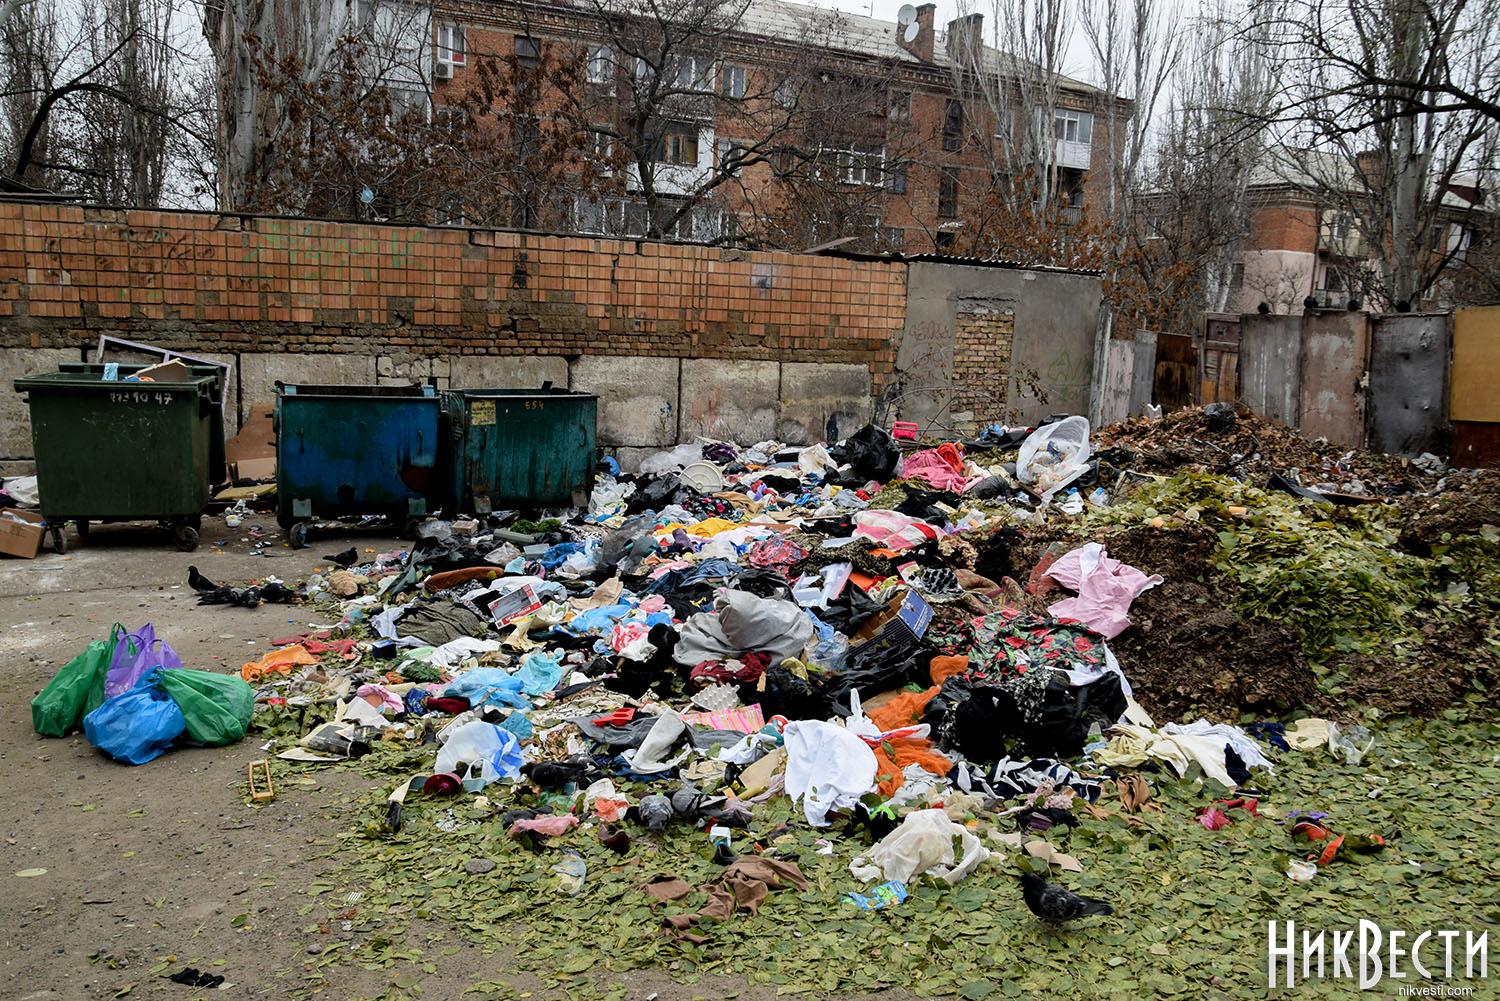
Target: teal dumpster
350,451
125,451
517,448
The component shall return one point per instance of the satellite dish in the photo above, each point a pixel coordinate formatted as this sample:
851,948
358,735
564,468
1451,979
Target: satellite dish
912,31
906,15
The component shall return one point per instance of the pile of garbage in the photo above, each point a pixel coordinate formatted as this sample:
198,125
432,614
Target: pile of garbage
952,648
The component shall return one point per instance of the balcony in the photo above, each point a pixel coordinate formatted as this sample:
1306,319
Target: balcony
1338,239
1075,155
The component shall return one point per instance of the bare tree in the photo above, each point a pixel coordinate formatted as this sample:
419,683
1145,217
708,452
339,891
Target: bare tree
93,96
1386,112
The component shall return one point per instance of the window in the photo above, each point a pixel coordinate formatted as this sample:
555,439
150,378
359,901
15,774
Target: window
678,146
895,179
953,125
1237,277
731,155
788,92
734,82
1073,126
451,44
1070,187
943,240
948,194
901,105
1439,238
528,53
601,149
363,12
694,73
854,164
602,67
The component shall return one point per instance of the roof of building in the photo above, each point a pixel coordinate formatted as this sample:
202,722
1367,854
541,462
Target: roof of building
857,34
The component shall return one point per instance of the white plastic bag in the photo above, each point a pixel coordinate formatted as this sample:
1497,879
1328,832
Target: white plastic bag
496,751
1054,456
922,844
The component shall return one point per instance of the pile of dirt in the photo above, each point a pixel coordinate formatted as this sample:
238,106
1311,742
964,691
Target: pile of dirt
1186,648
1430,678
1251,450
1469,501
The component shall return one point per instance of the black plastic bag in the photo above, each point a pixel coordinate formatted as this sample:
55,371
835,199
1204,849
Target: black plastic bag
870,452
850,610
1219,417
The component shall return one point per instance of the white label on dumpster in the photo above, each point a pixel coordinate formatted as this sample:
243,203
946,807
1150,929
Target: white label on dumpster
484,413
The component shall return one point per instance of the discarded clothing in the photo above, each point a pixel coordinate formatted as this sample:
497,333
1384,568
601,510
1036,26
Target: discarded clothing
922,844
827,767
1105,586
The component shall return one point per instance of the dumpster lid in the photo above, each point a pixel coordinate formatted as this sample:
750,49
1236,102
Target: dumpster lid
364,392
81,376
545,391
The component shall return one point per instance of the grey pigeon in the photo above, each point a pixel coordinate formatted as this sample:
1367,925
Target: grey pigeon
655,811
1055,905
687,801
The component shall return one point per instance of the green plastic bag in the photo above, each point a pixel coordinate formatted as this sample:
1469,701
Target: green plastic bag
217,707
76,690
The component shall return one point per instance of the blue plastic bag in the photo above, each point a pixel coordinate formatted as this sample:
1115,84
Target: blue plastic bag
137,726
539,673
487,686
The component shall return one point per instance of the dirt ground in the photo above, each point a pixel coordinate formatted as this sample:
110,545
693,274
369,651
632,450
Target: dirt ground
166,863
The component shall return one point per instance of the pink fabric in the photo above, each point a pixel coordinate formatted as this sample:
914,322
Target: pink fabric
1106,587
745,719
551,825
892,530
936,471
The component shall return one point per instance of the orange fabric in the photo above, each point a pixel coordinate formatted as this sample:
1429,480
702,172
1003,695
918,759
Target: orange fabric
904,710
864,580
945,667
952,455
277,662
908,751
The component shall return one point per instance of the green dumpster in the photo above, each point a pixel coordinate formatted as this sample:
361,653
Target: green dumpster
521,447
125,451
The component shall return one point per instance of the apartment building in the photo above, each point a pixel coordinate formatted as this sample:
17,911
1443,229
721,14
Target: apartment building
770,123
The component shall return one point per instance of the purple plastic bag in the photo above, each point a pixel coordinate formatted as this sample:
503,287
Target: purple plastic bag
135,654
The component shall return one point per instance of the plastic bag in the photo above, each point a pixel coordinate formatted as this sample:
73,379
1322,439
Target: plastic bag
671,461
486,686
1054,456
495,750
216,708
136,654
137,726
1351,743
539,673
922,844
76,690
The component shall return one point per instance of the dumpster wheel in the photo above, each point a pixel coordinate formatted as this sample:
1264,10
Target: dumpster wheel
59,541
297,535
185,536
82,524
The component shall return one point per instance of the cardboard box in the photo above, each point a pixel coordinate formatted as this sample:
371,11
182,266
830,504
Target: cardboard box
254,470
511,606
22,537
167,371
906,617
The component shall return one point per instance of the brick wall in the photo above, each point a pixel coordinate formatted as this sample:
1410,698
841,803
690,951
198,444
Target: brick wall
200,282
982,342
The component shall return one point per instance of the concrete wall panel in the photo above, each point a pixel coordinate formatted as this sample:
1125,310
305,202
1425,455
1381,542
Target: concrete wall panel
1334,351
734,400
811,393
637,397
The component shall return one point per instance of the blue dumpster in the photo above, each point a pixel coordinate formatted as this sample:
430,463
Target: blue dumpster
350,451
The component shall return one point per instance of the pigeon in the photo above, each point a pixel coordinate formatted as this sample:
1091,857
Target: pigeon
244,597
276,593
345,559
1055,905
555,774
198,582
654,811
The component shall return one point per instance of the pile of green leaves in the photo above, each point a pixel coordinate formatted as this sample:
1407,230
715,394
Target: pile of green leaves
1335,575
1192,906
